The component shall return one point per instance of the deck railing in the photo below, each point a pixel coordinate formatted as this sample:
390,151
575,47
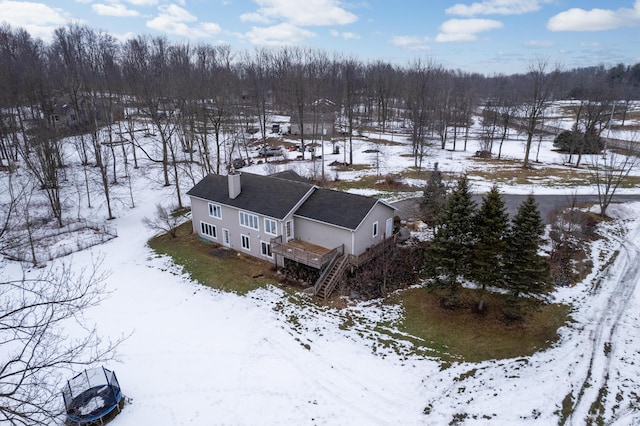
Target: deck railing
304,256
372,252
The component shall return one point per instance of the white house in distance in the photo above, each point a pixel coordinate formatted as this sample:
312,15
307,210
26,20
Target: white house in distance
283,216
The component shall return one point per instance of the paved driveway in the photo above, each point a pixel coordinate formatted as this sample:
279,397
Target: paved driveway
546,203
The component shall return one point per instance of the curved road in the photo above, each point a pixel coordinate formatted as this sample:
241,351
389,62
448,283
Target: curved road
546,203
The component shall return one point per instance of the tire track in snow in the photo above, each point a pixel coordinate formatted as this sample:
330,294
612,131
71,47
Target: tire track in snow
604,337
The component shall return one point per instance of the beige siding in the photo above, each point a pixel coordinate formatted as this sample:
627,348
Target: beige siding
355,242
231,221
364,234
322,234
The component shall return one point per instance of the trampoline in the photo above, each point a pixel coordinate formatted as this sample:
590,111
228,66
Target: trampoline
92,397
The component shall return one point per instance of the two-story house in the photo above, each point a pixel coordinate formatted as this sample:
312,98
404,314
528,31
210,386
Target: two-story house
282,216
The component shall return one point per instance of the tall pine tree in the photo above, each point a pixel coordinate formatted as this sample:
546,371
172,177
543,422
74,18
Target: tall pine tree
526,271
491,227
449,255
433,198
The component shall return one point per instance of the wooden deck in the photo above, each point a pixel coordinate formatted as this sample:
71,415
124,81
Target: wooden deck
301,251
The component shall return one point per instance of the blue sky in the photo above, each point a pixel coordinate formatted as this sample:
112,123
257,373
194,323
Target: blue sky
487,36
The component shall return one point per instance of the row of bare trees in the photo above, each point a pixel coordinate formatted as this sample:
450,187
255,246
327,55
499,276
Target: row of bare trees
197,102
213,86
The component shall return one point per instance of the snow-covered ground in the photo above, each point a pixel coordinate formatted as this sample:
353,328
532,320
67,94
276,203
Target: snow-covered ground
199,356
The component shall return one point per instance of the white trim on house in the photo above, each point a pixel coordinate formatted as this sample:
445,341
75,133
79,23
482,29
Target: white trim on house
289,230
208,230
389,227
249,220
245,242
226,238
270,226
265,249
215,210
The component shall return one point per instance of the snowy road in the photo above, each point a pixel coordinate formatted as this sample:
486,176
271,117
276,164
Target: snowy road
617,284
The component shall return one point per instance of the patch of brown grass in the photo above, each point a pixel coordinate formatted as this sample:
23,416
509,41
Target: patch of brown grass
463,334
213,265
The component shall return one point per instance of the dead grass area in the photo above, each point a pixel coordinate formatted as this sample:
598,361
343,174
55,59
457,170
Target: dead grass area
511,172
390,183
463,334
213,265
423,174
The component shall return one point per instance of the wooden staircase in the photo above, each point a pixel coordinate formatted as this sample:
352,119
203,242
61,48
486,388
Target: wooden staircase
330,276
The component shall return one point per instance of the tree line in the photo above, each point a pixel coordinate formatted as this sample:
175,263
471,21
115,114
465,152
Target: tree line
199,100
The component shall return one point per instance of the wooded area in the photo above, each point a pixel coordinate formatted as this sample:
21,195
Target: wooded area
200,100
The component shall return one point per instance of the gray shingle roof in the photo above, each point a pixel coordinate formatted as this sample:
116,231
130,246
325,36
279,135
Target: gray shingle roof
291,175
265,195
338,208
276,195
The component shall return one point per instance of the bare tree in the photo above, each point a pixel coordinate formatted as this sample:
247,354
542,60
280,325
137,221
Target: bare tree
37,353
166,220
419,94
609,171
351,71
541,84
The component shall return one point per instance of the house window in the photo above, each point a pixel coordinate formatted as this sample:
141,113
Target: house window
249,220
375,229
208,230
265,249
215,211
289,230
245,242
270,227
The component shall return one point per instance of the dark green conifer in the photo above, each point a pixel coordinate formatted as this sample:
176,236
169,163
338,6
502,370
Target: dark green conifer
491,227
526,271
449,255
433,198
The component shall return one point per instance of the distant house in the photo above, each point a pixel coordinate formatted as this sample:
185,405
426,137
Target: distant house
283,216
319,120
67,114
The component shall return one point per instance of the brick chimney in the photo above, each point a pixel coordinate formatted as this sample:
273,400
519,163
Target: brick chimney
234,184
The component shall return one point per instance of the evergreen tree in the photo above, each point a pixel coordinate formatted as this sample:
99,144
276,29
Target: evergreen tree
526,271
433,198
449,255
491,227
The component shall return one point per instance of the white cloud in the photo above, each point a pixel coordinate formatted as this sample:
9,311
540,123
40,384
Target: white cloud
143,2
497,7
345,35
538,43
254,17
114,9
39,19
595,19
124,37
173,19
304,13
410,42
278,35
465,29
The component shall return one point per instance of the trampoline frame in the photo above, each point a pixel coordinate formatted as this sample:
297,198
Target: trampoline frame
113,391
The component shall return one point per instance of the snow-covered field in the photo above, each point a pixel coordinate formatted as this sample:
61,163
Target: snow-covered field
203,357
